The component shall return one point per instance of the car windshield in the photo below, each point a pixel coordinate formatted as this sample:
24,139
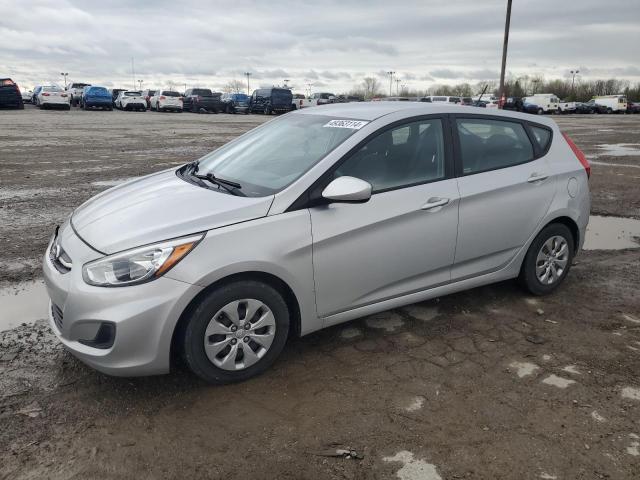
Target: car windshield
240,97
203,92
271,157
51,89
131,94
168,93
98,90
281,95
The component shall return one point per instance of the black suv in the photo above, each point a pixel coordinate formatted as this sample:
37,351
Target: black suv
10,96
271,100
202,99
513,103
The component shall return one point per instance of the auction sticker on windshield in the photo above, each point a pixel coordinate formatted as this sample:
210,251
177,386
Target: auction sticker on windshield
353,124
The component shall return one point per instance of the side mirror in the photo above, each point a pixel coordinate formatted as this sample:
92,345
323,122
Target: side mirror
347,190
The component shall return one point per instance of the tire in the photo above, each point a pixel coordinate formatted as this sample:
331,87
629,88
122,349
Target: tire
205,314
68,107
557,236
267,110
540,111
194,108
609,111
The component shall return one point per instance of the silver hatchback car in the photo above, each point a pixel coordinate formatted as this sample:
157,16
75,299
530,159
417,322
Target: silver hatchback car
315,218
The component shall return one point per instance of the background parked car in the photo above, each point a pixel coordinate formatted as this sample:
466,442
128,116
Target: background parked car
633,107
235,102
114,94
96,97
26,96
546,102
612,103
530,107
441,98
147,94
348,98
131,100
513,103
53,96
10,96
75,93
202,99
318,98
166,100
567,107
593,107
271,100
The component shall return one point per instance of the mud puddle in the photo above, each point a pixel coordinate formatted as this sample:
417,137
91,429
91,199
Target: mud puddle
612,233
22,303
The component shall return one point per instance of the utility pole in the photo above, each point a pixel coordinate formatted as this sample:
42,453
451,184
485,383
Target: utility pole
398,86
391,73
65,79
140,82
573,80
248,74
285,83
309,85
504,52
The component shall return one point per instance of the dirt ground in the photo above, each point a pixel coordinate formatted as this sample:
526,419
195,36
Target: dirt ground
486,384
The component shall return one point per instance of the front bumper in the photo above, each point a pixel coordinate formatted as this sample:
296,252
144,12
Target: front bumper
144,316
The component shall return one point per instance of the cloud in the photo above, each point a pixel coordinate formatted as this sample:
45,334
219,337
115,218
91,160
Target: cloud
333,45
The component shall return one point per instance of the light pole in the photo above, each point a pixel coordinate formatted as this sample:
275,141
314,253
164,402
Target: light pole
573,79
504,52
248,74
140,82
285,83
65,79
391,73
398,86
309,85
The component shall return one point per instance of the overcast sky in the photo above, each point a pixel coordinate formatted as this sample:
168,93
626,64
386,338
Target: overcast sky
330,44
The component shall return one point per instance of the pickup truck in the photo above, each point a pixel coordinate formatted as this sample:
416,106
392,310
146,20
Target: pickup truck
75,93
316,99
202,99
567,107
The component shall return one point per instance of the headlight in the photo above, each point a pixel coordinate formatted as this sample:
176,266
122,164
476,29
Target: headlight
138,265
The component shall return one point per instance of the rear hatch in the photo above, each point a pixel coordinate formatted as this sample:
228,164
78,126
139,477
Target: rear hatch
9,93
98,94
171,98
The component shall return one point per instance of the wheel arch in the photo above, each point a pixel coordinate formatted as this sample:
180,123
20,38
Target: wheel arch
571,224
272,280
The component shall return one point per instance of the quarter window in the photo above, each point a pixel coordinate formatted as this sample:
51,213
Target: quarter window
406,155
491,144
542,136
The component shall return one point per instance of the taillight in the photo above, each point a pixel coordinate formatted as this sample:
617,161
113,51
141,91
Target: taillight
63,94
45,94
162,97
578,153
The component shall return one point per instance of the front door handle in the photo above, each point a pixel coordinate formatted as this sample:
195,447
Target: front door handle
434,203
537,177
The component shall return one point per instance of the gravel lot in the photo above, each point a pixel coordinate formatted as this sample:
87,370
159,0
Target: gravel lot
487,384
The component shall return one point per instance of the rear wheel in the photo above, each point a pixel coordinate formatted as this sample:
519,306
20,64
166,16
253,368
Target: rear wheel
540,111
609,110
548,259
236,332
267,110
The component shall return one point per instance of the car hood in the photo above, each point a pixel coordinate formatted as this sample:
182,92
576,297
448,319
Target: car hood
159,207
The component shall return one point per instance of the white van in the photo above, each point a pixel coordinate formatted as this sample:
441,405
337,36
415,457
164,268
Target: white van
546,102
613,103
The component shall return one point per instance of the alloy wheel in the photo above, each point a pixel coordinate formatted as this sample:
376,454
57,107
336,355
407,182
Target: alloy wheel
239,334
552,260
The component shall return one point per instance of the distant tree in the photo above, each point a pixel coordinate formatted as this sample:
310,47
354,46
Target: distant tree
370,87
233,86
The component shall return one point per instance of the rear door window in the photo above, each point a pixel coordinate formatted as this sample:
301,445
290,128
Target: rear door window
491,144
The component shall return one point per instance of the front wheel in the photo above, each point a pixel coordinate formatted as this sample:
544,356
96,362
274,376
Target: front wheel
548,260
236,332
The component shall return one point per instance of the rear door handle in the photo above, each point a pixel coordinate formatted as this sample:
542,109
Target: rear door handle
537,177
434,203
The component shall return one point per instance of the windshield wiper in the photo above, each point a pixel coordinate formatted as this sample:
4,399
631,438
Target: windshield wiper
228,185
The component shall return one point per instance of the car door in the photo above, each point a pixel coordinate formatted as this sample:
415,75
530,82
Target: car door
505,190
403,239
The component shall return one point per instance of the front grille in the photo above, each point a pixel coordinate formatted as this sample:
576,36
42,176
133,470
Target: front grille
58,317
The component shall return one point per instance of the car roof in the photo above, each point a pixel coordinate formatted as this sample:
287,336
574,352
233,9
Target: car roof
374,110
